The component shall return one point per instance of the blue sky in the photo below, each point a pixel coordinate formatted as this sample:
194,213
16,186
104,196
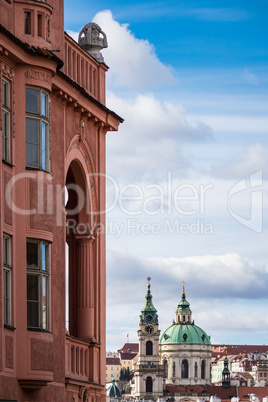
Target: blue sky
190,79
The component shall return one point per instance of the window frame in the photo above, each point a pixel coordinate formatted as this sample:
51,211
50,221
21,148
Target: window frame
7,280
41,274
43,120
6,121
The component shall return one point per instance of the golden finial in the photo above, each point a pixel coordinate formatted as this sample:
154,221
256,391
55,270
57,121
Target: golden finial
183,290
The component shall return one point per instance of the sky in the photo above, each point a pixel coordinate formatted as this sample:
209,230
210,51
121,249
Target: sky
187,171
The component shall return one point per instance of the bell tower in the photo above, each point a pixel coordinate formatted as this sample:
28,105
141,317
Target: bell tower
148,372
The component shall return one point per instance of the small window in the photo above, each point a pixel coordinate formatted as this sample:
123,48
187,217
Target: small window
37,284
28,22
37,129
6,114
40,25
7,279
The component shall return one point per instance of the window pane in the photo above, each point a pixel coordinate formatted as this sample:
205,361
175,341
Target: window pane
32,131
44,147
31,101
44,101
32,255
32,288
5,94
44,302
44,257
7,297
33,314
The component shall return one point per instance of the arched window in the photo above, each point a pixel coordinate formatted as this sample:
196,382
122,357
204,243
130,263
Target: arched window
165,369
149,348
203,369
149,384
184,369
174,369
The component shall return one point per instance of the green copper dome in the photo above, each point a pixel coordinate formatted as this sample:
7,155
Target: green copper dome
184,331
184,334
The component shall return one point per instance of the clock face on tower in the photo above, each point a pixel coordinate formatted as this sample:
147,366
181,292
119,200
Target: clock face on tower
149,329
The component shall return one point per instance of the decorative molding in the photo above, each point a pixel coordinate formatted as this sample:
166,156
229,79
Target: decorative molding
39,75
7,71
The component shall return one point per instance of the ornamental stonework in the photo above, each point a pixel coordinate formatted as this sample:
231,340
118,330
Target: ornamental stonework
39,75
7,71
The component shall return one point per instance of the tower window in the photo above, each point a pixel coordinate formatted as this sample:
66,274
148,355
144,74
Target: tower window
184,369
165,369
203,369
149,384
28,22
149,348
174,369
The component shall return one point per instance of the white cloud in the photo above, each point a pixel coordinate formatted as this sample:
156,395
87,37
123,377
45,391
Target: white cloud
133,62
251,160
249,77
149,140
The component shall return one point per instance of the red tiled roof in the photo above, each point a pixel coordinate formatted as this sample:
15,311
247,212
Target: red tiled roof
111,361
236,349
245,375
127,356
130,348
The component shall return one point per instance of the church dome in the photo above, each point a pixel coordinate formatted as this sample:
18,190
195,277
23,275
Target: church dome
184,331
184,334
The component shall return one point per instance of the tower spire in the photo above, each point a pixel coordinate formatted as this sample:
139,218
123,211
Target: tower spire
149,312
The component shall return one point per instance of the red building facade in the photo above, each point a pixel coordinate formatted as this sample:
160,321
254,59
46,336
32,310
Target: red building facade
53,124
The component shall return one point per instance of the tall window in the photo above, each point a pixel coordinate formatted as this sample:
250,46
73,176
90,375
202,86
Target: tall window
165,369
37,128
149,348
7,279
37,284
6,148
149,384
184,369
203,369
